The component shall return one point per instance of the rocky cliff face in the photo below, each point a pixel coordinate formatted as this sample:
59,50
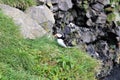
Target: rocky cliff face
92,23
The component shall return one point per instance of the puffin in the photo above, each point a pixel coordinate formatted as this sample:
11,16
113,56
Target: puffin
60,40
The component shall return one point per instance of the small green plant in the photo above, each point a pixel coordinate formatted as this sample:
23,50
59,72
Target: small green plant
111,17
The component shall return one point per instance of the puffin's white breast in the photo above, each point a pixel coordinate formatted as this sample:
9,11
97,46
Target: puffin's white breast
61,42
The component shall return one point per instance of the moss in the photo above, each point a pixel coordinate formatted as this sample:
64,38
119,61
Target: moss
111,17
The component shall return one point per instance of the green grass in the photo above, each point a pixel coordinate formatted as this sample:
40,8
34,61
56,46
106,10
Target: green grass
40,59
21,4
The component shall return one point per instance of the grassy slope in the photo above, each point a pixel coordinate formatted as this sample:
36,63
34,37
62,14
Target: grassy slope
39,59
21,4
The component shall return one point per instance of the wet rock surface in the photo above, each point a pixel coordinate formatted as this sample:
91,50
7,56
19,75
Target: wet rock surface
114,74
91,23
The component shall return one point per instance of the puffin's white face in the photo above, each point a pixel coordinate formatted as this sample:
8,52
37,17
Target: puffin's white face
58,35
71,24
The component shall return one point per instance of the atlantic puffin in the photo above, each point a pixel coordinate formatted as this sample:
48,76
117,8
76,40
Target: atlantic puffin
60,40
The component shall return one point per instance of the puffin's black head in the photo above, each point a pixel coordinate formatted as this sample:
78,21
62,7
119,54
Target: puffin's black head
54,30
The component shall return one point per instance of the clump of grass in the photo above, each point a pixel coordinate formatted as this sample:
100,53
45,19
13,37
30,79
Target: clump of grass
21,4
9,73
56,63
12,51
40,59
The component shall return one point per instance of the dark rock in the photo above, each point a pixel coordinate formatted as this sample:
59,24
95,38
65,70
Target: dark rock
106,69
94,18
99,31
114,74
103,48
74,13
91,51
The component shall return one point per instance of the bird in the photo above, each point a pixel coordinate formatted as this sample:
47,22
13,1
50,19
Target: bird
60,40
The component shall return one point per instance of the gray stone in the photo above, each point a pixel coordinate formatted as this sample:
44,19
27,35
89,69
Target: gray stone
61,14
90,23
55,8
99,31
98,7
43,15
102,18
87,36
28,27
105,2
90,49
90,13
54,1
65,5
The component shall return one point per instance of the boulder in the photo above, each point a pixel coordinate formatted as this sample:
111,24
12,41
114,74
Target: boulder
54,1
55,8
90,22
102,18
88,37
28,27
98,7
65,4
43,15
